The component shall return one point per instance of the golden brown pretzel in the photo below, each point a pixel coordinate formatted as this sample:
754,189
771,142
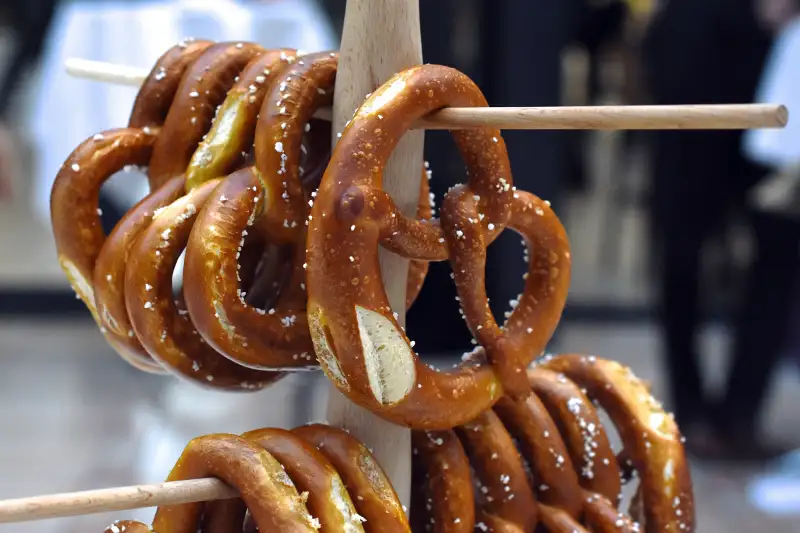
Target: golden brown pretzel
271,199
74,198
650,437
267,198
476,477
357,339
183,89
75,194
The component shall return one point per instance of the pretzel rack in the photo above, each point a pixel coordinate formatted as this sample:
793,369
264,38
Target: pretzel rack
380,38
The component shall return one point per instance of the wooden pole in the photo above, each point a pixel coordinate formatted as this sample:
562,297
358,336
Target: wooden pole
379,39
114,499
612,117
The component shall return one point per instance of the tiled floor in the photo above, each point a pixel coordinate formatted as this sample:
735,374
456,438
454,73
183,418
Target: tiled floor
74,417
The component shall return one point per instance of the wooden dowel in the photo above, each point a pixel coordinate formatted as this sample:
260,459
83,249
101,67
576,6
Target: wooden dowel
380,38
710,117
114,499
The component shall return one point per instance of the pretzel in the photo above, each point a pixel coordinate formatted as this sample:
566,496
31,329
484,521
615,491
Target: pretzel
269,98
542,463
74,197
357,339
312,478
217,153
270,197
650,437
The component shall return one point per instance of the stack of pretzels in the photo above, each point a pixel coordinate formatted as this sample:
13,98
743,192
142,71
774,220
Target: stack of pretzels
280,244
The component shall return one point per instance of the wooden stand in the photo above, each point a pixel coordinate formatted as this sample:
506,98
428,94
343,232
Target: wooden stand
379,39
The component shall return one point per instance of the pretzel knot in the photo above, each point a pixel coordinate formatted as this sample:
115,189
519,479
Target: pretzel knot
544,463
233,160
358,341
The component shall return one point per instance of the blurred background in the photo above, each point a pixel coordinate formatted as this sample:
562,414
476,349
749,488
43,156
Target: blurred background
685,245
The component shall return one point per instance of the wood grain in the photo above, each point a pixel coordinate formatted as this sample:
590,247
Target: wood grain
380,38
115,499
612,117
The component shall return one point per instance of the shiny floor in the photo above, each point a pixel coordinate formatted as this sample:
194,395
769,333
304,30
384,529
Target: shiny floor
74,417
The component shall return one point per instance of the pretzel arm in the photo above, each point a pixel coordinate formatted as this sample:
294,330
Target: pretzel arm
451,508
372,493
503,488
234,124
559,521
314,476
541,444
202,88
650,437
582,431
168,335
155,96
602,516
74,202
109,274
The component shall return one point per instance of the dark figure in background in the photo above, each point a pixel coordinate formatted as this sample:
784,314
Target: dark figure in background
29,21
703,52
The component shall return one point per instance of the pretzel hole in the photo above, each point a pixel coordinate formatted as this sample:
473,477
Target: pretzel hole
315,152
438,304
507,277
264,271
628,474
125,188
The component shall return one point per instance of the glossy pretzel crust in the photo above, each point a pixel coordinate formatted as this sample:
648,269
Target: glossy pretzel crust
543,464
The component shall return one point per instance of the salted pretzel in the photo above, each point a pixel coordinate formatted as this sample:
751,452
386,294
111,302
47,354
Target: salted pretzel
74,198
546,459
358,341
166,331
204,83
266,97
544,464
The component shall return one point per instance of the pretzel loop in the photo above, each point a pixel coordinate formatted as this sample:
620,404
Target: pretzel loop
75,214
166,332
650,437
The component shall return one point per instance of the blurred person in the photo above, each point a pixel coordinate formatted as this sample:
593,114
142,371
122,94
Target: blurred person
27,22
779,149
713,52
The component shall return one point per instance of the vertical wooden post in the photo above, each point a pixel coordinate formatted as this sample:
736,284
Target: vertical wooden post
379,39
